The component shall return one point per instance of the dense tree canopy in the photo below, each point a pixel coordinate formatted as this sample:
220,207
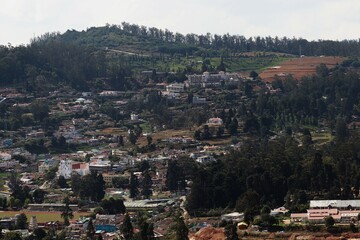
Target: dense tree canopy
170,42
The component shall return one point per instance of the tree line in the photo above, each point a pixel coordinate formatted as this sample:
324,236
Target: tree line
48,63
190,43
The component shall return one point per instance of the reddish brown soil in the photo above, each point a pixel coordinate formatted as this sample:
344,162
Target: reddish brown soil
209,233
299,67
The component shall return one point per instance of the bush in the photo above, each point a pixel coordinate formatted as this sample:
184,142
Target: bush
334,230
353,228
99,210
313,228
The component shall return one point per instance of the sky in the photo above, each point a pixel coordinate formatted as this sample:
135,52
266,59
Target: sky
21,20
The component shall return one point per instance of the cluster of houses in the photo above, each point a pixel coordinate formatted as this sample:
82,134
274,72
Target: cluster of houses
81,124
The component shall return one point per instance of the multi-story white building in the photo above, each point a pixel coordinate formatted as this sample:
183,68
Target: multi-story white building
175,87
213,80
343,211
65,168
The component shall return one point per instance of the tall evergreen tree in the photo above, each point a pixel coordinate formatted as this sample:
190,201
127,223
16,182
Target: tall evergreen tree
231,232
67,212
100,187
90,230
127,229
134,184
146,185
175,178
21,221
150,232
181,230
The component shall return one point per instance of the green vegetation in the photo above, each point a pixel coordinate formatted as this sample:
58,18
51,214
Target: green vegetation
41,216
279,143
111,56
3,177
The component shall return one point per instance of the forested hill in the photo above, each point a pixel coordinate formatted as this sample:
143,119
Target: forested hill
84,60
150,39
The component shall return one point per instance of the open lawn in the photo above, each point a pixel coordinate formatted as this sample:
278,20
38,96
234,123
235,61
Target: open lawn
321,138
41,217
244,62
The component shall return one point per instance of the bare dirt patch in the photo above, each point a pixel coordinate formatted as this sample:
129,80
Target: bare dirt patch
209,233
299,67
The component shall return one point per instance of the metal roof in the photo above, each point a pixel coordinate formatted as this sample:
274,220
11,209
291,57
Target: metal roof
334,203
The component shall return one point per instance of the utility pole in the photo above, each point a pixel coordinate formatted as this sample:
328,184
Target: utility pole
5,122
5,115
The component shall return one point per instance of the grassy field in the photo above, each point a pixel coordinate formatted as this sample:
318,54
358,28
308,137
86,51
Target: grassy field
233,64
321,138
41,217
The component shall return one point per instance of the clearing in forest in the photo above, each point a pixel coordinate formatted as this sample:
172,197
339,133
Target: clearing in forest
299,67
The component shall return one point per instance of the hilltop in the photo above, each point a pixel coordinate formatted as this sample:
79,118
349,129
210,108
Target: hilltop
150,40
113,56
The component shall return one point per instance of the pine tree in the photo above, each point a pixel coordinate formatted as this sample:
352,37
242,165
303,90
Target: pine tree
146,185
143,230
127,228
21,221
134,184
175,178
181,230
150,232
90,230
230,232
67,213
100,185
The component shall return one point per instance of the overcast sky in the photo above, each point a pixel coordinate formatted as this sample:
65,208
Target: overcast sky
20,20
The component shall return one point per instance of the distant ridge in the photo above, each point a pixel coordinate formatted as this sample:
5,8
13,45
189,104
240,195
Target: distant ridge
135,38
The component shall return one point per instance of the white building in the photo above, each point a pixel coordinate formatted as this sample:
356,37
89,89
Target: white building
65,168
343,211
134,117
198,100
213,80
233,217
205,159
175,87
